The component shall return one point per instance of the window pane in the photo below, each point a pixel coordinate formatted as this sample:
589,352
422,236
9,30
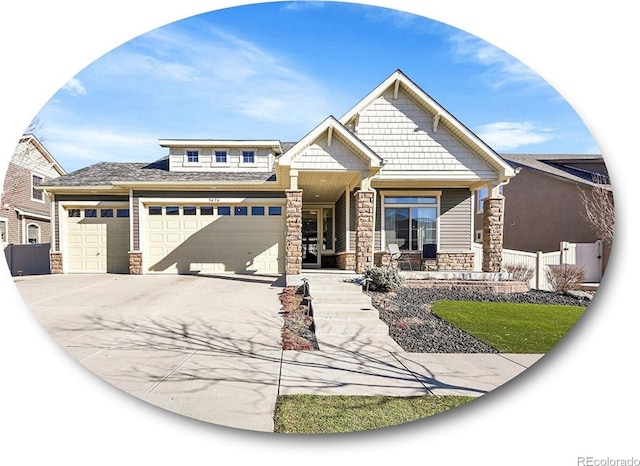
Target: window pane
122,213
224,210
90,213
106,212
33,233
248,156
3,231
189,210
327,225
75,213
240,211
192,156
221,156
275,210
410,200
396,224
423,227
173,210
257,210
155,210
206,210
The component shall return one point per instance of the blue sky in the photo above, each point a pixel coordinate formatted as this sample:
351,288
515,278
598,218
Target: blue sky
276,70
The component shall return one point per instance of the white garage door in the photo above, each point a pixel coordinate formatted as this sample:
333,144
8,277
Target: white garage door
97,240
214,238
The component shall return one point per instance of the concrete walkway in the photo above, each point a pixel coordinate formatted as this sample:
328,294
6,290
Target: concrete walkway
209,347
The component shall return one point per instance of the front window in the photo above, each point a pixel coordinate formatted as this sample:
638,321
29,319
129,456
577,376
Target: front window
37,194
193,156
248,156
221,156
33,234
411,222
3,232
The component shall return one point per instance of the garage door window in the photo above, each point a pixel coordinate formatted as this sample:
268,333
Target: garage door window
106,213
189,210
123,213
240,211
275,210
224,210
155,210
206,210
74,213
173,210
90,213
257,210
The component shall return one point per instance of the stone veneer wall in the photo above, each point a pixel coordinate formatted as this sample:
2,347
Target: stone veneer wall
346,260
135,263
56,262
492,234
293,235
456,260
364,230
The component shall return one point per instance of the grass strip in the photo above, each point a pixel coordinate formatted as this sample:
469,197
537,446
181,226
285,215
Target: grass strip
511,327
330,414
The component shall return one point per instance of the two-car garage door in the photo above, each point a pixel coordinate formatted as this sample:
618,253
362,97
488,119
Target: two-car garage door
242,238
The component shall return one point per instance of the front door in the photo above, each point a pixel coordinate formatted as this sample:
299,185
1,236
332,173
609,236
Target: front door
310,250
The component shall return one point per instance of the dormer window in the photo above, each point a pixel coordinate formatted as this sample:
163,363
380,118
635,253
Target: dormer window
221,156
193,156
248,156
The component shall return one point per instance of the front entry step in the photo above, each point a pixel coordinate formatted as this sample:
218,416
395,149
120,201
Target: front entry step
343,314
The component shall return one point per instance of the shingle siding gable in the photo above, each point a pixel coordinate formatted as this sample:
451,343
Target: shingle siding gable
401,132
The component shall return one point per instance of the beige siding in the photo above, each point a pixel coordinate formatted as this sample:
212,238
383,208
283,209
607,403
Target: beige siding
322,156
455,220
401,132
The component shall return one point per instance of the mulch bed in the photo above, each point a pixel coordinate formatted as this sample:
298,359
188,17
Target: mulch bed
297,330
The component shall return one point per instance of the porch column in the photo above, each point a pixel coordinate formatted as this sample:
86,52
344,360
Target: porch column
293,234
492,233
364,230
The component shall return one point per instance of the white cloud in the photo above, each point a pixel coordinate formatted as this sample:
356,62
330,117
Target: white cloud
75,87
505,135
502,68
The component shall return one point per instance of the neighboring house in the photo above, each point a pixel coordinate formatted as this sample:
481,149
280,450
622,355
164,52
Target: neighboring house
543,206
396,168
25,208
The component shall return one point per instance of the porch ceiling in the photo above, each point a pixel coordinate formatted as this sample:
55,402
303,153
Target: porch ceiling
325,186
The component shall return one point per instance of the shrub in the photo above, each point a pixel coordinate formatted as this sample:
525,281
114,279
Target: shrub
520,272
565,277
383,278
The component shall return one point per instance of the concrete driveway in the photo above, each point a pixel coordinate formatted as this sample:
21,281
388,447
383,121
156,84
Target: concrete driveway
203,347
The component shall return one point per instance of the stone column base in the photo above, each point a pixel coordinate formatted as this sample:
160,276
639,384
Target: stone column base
135,263
55,259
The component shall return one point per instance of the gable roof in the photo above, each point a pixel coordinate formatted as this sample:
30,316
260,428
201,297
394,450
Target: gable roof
398,80
561,166
31,138
331,125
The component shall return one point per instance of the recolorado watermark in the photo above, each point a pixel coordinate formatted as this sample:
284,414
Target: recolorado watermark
595,461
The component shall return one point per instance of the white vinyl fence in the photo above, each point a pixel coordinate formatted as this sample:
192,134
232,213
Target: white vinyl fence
586,255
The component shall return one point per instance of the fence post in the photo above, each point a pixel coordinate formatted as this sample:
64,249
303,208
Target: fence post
539,270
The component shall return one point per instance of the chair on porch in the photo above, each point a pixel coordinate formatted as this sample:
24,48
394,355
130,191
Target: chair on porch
397,255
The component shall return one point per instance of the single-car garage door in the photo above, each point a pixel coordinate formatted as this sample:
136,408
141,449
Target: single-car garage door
214,238
97,240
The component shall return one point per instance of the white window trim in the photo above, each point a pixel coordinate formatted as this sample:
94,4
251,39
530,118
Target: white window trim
385,194
215,163
26,233
5,221
249,164
185,160
43,200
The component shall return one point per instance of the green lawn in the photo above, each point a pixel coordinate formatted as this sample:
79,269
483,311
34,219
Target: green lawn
510,327
327,414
